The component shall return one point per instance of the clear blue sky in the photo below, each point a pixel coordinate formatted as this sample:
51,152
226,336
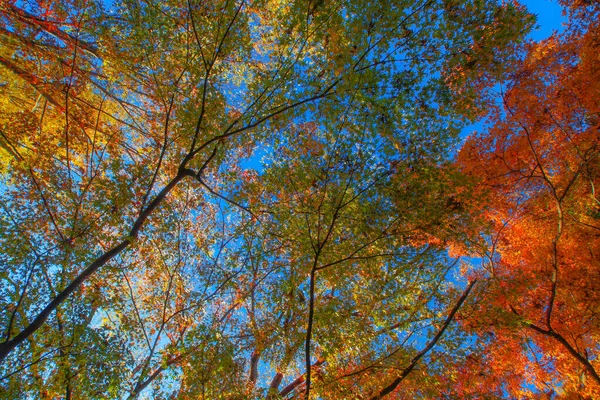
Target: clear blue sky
549,17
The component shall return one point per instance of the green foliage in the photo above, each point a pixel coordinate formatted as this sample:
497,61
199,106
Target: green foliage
146,249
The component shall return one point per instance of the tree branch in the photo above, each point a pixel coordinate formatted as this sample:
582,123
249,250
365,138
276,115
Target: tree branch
392,386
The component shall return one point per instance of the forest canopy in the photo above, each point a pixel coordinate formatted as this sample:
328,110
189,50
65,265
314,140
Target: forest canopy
244,199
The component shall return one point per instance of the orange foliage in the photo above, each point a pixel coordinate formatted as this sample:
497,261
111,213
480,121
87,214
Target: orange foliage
539,164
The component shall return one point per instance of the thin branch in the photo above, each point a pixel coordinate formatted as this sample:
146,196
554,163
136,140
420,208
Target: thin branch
392,386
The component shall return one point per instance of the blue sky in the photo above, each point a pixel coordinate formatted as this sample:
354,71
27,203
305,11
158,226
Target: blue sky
549,17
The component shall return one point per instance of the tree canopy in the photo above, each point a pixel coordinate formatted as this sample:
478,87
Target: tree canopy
539,164
239,199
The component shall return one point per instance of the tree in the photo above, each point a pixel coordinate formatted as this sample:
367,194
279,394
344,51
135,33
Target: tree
539,164
143,250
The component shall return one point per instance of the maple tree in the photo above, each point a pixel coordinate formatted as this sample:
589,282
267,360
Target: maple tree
146,252
538,317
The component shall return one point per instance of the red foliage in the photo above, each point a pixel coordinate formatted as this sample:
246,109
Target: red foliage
540,165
